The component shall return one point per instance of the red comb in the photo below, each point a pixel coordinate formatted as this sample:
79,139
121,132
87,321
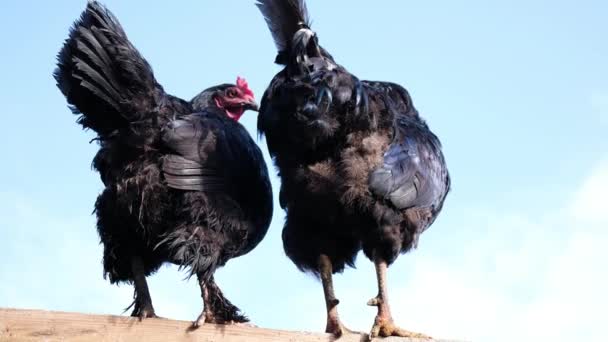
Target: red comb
242,84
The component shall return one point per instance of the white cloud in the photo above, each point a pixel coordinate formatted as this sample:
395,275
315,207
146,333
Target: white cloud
458,303
573,304
590,203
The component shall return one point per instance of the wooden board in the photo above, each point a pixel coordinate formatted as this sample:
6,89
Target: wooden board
35,325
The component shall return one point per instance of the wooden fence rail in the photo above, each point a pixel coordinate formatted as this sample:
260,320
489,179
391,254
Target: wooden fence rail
35,325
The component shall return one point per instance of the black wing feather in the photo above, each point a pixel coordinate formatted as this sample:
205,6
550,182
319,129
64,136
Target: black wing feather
209,152
414,172
188,166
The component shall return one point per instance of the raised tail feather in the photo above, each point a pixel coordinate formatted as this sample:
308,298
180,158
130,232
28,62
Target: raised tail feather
284,19
103,76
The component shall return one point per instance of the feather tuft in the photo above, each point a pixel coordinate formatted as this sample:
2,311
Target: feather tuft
284,18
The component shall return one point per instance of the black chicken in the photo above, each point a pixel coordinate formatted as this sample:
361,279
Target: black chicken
359,168
184,181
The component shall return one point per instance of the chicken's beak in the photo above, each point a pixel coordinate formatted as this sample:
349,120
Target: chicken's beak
250,104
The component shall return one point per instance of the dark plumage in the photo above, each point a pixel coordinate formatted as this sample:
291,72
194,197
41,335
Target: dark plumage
360,168
184,181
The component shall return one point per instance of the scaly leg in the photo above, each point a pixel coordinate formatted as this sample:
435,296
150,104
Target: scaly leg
143,303
383,324
334,326
217,309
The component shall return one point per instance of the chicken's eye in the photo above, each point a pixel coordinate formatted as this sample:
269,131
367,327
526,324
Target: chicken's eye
231,92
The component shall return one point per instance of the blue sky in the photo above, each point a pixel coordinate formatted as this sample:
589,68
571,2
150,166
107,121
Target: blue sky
516,90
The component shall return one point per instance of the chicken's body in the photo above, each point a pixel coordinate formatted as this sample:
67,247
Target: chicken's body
359,168
184,181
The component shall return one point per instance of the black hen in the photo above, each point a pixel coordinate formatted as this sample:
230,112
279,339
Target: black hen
360,169
184,181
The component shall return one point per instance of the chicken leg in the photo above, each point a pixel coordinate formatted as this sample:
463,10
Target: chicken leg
334,326
217,309
383,324
143,302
